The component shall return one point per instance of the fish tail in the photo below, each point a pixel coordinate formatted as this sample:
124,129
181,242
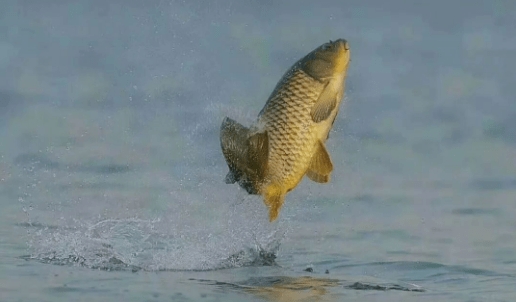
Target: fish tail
273,197
233,137
246,154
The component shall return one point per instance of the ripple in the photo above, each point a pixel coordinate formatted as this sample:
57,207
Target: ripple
303,288
36,225
111,264
476,211
384,287
438,268
35,161
487,184
280,288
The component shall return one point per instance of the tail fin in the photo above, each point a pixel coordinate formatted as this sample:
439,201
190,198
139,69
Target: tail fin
273,197
245,154
232,140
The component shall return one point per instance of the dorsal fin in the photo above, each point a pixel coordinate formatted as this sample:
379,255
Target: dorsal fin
320,166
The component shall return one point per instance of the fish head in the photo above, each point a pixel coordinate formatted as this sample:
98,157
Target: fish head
328,61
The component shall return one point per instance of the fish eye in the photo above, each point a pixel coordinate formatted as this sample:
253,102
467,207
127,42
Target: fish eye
327,46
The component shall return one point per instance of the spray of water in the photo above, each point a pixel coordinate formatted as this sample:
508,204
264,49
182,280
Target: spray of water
244,238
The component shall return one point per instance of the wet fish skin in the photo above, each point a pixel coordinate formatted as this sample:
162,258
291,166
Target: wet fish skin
287,141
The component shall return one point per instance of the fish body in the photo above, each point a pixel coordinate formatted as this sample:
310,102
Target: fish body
287,141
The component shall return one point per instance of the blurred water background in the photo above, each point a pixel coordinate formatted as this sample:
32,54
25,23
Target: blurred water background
111,174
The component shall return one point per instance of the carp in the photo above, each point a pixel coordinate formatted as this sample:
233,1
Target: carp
272,156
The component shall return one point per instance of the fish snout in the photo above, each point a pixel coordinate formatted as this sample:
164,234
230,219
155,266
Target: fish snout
342,43
340,63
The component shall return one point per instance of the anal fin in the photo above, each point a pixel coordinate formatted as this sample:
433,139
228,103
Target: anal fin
320,166
274,197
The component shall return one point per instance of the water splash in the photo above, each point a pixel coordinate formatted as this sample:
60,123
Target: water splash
244,239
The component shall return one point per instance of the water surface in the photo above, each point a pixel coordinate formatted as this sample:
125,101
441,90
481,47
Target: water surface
111,175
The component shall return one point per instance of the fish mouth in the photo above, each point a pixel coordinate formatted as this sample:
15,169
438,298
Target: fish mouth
335,45
339,48
343,43
340,62
340,42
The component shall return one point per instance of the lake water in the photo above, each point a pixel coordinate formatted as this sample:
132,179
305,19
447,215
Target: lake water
111,174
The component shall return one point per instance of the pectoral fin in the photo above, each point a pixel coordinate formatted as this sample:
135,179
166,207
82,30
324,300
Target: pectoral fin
325,104
320,166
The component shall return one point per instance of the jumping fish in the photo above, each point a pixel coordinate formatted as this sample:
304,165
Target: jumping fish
287,141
